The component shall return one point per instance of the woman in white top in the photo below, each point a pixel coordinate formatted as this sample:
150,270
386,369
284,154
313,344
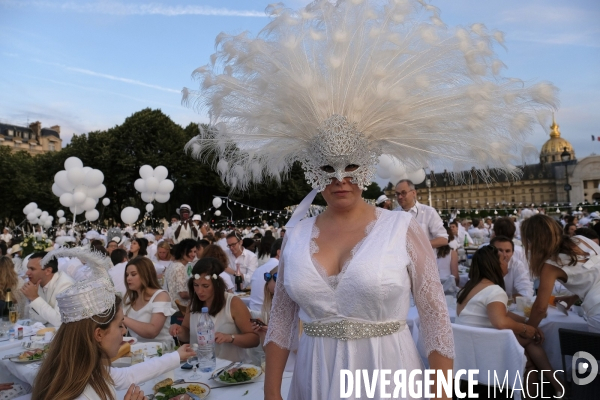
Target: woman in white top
233,330
265,312
574,261
163,258
146,306
176,276
138,247
447,260
482,303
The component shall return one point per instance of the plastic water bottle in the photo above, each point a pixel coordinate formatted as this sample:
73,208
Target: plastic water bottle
189,269
206,342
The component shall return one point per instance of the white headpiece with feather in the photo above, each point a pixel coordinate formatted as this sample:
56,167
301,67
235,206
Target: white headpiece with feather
389,74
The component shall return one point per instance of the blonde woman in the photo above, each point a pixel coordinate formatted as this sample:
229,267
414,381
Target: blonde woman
260,327
10,280
147,307
163,258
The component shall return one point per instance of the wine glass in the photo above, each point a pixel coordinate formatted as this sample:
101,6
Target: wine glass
193,361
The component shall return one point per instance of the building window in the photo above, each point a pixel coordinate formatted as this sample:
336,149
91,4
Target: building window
25,135
11,132
51,146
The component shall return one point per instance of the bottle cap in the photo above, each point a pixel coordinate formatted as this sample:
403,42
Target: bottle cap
205,309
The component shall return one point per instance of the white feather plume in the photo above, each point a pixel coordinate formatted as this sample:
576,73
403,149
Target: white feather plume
95,261
424,93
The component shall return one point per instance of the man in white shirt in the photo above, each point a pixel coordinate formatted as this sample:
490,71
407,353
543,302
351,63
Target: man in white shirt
425,216
257,284
6,236
516,276
459,235
43,286
168,236
117,272
242,262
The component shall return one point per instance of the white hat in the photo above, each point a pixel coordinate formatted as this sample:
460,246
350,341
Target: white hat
183,206
381,199
150,237
15,249
196,217
595,215
90,297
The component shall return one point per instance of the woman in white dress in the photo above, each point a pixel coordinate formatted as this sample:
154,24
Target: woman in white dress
77,365
574,261
147,307
233,330
163,258
482,303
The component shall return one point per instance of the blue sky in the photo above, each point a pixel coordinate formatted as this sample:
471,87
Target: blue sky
87,65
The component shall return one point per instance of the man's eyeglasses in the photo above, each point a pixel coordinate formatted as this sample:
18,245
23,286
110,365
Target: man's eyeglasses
269,275
403,193
232,244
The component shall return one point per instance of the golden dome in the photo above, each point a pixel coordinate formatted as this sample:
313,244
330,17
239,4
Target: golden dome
553,148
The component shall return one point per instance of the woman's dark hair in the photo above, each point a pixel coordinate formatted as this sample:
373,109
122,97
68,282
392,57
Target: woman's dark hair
183,248
587,232
567,227
208,266
247,242
143,243
443,251
268,233
3,248
484,265
264,248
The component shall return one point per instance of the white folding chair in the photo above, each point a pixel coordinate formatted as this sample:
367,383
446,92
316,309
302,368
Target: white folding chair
489,349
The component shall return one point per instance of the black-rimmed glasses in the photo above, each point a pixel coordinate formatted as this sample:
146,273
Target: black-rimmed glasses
232,244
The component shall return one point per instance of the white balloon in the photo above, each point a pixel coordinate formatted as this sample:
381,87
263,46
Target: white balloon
218,212
62,220
151,184
76,176
105,201
66,199
79,197
97,192
73,162
38,212
146,171
140,185
76,210
47,224
161,172
57,190
60,213
29,208
44,214
81,188
417,176
62,180
50,218
89,204
87,169
31,216
217,202
92,215
149,207
148,197
165,186
162,197
129,215
383,173
94,178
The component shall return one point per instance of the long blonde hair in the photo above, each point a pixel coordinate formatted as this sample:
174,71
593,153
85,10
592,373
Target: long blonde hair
75,360
268,298
8,277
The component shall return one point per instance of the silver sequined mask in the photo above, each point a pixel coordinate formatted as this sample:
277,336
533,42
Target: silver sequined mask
339,145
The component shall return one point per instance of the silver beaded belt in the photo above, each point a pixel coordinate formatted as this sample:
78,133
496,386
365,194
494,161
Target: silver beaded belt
347,329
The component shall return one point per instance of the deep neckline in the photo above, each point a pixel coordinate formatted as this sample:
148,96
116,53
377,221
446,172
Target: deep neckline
334,280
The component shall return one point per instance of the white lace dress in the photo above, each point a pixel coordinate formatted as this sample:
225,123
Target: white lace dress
374,286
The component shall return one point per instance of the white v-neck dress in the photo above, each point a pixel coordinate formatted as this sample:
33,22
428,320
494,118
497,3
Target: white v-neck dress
393,259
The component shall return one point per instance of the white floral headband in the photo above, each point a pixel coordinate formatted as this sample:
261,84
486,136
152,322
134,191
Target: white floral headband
207,277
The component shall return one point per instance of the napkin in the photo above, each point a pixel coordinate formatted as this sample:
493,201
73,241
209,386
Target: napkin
29,330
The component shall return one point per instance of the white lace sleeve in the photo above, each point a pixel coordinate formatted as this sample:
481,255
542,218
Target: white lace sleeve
283,321
428,293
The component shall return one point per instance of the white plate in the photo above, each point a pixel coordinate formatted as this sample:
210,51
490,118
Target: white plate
258,369
149,347
185,385
16,360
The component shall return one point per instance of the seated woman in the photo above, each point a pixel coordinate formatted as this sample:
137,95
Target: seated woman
261,330
573,261
447,263
139,247
163,257
10,280
215,251
77,365
482,303
146,306
176,275
233,329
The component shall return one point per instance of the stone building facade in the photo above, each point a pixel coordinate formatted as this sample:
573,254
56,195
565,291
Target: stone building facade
33,139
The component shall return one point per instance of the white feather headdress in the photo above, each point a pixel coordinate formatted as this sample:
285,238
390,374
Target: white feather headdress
416,89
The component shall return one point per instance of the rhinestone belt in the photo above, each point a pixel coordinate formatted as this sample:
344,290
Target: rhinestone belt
346,329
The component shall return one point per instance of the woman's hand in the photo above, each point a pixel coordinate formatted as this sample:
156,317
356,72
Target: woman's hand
6,386
570,300
259,329
134,393
174,330
185,351
221,338
539,336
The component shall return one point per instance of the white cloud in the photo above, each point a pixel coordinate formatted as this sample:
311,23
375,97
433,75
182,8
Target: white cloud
124,9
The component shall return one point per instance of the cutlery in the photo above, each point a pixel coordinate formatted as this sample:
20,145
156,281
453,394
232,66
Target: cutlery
239,384
6,357
217,372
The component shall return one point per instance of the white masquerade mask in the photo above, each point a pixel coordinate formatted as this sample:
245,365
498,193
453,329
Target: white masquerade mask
339,151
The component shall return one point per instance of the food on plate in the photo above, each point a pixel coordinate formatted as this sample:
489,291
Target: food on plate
43,331
34,354
168,392
235,375
163,383
123,351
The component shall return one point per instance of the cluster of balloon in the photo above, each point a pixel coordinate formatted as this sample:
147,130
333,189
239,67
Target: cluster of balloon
217,202
130,215
154,185
35,216
79,188
61,216
393,170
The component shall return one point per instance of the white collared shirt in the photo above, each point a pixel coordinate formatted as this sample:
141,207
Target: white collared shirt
248,263
429,220
517,280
